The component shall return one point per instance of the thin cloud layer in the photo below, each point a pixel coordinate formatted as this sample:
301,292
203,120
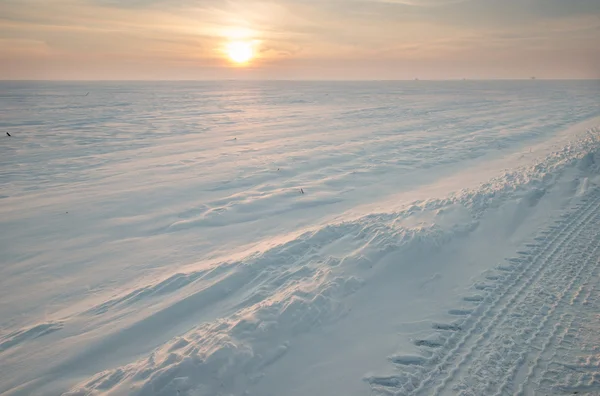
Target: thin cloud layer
353,39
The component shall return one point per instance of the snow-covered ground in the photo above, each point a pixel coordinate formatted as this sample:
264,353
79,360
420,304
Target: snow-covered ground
155,240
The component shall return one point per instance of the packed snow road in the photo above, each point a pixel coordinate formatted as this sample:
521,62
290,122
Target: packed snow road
533,327
155,240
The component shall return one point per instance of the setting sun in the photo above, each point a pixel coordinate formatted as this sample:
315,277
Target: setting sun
240,51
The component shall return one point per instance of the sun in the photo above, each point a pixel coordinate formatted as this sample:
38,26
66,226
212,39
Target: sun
240,52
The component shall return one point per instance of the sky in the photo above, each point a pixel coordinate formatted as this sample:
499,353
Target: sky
299,39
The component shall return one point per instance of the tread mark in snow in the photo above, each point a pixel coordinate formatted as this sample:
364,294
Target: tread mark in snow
514,334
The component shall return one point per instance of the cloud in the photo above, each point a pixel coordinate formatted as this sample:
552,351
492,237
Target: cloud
425,3
358,32
514,12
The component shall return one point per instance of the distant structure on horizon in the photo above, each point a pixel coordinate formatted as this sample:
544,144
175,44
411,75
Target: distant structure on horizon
533,78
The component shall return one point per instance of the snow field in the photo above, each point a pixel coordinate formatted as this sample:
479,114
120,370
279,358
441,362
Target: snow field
184,259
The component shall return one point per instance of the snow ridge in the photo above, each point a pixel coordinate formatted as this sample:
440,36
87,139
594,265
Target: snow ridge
273,295
512,341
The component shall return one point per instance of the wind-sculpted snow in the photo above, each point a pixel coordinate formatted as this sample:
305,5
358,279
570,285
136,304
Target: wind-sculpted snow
517,339
248,239
294,287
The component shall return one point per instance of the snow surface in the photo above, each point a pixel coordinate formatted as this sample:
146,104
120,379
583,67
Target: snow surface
154,239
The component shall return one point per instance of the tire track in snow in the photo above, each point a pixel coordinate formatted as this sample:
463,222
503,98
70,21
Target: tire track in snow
548,346
581,369
445,369
505,304
574,264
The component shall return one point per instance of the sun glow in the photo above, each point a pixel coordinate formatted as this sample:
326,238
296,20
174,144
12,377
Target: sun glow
240,52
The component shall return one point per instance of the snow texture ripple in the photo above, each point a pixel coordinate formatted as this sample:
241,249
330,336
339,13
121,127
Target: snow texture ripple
276,238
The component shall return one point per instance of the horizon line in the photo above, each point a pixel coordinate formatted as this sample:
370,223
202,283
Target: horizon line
304,80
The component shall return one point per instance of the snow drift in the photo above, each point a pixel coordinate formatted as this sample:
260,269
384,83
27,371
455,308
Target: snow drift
189,263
